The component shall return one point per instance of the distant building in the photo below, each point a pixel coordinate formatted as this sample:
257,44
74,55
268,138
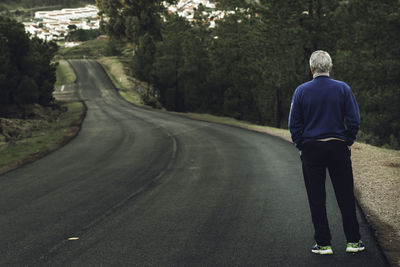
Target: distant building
186,9
54,24
88,11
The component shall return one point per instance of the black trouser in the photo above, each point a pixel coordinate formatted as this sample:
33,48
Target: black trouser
334,155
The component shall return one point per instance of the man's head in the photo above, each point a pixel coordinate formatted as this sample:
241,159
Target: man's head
320,62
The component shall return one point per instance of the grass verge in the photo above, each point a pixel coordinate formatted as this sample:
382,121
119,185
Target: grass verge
91,49
64,73
116,69
44,140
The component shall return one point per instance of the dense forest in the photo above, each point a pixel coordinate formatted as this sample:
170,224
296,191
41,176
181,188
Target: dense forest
249,65
27,73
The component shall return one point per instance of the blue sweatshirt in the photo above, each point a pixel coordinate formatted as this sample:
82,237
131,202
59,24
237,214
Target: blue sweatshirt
323,108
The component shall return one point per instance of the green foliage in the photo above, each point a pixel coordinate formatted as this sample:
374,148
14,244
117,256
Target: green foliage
234,64
72,27
27,71
196,64
27,91
90,49
249,65
168,63
368,58
142,66
132,19
143,59
83,35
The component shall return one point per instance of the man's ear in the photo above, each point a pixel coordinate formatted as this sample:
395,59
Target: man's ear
330,67
312,70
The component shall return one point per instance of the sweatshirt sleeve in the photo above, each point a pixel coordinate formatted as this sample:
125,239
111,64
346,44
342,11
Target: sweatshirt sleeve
296,120
352,116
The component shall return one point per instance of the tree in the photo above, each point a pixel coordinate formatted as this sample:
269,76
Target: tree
142,64
249,65
195,70
4,69
43,68
16,42
320,27
234,72
83,35
167,68
27,91
112,10
27,72
131,19
72,27
368,59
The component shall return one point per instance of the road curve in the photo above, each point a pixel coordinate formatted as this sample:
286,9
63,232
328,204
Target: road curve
144,188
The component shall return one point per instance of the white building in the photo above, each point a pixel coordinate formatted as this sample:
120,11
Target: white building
88,11
186,9
32,28
54,24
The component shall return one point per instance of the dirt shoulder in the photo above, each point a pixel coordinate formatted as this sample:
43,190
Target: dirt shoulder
376,170
377,187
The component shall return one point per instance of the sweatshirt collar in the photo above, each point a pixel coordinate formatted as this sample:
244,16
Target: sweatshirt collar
317,74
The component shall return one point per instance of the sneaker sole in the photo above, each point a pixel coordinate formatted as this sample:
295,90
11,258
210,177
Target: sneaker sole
353,250
322,252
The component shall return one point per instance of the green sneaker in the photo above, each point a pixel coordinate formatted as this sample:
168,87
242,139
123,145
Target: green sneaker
355,247
323,250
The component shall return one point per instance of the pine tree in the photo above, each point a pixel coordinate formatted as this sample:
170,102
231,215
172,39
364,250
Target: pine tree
131,19
142,64
167,67
196,63
4,69
27,72
368,59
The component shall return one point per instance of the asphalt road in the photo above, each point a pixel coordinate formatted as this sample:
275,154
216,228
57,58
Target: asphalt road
145,188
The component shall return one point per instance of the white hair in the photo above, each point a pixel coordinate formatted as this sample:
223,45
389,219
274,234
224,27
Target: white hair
320,61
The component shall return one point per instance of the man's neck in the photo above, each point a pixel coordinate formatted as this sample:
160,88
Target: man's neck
317,74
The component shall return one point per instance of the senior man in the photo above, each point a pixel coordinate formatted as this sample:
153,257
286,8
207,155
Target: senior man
324,120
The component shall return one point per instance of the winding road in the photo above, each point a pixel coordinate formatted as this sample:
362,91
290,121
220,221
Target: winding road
144,188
